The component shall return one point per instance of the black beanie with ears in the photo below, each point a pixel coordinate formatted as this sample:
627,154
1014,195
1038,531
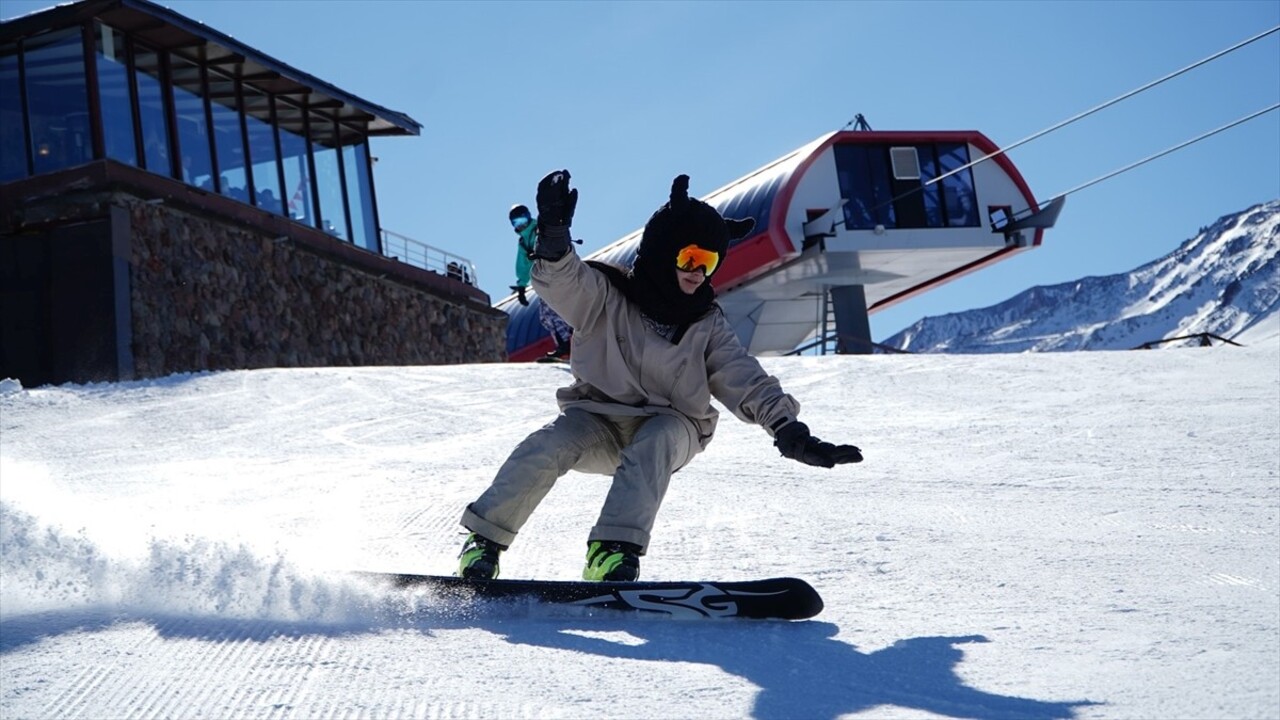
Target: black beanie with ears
681,221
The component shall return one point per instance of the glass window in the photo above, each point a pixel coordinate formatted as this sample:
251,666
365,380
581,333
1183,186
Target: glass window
193,126
960,202
293,158
113,91
863,173
155,126
57,100
13,162
324,149
262,150
228,142
931,192
355,164
853,176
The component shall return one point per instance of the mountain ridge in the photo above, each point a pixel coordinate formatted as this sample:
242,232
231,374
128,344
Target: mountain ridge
1224,281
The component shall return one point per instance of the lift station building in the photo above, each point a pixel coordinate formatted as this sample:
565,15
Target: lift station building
172,200
846,225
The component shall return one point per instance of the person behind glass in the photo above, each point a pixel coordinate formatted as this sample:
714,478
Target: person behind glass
267,201
526,229
964,215
651,349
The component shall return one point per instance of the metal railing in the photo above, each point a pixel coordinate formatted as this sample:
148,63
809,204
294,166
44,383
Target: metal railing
1203,339
421,255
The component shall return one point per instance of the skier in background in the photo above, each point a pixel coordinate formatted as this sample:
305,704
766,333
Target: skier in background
526,229
651,349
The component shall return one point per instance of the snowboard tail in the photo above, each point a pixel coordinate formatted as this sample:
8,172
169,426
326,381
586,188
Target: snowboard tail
772,598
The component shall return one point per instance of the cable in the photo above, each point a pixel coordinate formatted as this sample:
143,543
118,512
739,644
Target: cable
1162,153
1103,106
1106,104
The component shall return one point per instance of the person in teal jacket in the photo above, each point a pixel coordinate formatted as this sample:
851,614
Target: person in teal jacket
526,229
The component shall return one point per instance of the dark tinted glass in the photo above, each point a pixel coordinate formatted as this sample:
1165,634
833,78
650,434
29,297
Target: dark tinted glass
57,100
113,94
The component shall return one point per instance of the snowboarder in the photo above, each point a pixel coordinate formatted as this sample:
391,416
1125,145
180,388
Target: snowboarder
651,349
526,229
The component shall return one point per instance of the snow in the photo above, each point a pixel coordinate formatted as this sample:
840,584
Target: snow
1088,535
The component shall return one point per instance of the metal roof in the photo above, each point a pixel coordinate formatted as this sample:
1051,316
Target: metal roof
162,28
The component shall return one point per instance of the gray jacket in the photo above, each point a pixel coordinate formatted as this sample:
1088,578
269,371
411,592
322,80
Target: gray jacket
623,367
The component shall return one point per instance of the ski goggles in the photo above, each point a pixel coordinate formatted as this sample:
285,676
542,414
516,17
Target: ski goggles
692,257
519,222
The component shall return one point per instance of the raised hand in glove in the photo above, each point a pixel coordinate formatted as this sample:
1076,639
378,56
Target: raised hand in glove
520,294
794,441
556,203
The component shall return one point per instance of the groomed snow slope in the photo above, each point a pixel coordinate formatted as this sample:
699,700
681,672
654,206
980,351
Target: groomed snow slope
1090,535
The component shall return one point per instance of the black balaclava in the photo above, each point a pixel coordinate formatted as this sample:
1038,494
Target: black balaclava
652,282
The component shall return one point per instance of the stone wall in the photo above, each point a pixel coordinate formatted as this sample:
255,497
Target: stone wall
213,284
206,295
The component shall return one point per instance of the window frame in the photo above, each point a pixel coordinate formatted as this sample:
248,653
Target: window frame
152,107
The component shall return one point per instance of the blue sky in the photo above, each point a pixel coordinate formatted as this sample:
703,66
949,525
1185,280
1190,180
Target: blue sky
629,94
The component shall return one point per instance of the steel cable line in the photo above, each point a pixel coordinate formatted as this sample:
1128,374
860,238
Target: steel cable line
1103,106
1091,111
1162,153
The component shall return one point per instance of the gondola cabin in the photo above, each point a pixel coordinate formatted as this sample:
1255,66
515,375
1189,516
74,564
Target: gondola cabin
849,224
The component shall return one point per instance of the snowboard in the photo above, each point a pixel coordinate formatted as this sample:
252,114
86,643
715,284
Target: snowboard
773,598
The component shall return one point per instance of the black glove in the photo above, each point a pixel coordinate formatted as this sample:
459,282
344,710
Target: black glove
794,441
556,203
520,294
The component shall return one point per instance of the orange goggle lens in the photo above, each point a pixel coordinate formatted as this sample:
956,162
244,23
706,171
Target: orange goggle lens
692,257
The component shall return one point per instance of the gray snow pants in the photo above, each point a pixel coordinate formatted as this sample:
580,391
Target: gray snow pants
640,452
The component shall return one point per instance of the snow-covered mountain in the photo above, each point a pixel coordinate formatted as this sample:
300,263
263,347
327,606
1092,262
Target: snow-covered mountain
1224,281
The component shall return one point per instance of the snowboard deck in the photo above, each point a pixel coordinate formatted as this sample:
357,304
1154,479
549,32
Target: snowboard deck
772,598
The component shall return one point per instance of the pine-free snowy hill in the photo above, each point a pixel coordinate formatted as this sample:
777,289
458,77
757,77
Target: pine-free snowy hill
1224,281
1031,536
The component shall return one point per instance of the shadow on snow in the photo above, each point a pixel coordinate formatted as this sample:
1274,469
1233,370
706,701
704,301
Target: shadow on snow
801,669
